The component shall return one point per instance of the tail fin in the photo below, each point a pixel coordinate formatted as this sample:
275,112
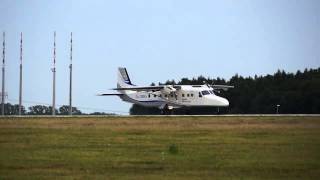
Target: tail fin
123,78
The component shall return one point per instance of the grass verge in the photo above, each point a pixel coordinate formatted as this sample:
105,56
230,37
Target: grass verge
160,148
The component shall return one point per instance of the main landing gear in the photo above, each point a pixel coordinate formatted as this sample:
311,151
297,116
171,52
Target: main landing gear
167,110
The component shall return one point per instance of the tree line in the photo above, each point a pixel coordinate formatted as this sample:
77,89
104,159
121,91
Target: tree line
295,93
13,109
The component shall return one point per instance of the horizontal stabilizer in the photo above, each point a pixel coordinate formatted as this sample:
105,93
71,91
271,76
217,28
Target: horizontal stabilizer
110,94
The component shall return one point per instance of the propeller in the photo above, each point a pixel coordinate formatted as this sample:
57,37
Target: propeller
170,90
215,87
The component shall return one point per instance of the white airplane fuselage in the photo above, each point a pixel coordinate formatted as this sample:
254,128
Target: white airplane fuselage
187,96
168,96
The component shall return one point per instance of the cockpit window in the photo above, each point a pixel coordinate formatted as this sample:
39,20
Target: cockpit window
205,92
211,91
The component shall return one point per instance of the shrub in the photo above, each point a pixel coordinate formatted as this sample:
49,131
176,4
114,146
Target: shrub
173,149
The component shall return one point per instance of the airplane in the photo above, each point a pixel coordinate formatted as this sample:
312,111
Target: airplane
168,97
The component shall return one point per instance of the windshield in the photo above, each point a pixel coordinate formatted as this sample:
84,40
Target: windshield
211,91
205,92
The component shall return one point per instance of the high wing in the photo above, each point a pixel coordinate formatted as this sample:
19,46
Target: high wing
223,87
141,88
167,88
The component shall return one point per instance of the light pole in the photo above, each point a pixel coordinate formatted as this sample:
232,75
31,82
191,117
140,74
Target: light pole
278,105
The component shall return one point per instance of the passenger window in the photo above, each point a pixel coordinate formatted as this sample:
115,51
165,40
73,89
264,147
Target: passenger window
188,95
191,95
182,95
165,95
160,95
148,95
154,95
171,95
200,94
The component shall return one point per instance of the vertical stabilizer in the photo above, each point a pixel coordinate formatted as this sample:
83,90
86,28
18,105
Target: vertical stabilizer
123,78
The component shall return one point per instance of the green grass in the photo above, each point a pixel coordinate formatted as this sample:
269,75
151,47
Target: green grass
160,148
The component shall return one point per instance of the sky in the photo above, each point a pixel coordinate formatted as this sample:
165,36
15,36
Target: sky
155,40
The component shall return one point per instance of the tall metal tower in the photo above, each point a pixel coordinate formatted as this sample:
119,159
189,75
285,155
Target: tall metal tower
3,73
54,77
70,87
20,83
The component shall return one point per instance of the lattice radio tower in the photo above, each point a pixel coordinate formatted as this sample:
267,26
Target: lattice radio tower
54,77
3,73
20,82
70,85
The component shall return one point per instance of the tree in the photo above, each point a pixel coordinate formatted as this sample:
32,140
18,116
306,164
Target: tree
101,113
296,93
12,109
64,110
40,110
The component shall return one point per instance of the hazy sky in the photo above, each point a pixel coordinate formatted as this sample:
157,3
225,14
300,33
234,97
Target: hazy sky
155,40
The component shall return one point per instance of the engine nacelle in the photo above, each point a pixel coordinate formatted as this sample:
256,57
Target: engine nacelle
168,89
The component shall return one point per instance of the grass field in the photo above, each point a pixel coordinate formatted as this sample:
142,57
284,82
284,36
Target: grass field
160,148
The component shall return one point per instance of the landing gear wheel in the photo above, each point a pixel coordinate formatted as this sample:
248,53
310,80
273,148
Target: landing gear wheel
166,110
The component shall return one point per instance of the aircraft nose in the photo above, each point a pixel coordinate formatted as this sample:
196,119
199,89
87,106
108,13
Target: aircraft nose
222,101
218,101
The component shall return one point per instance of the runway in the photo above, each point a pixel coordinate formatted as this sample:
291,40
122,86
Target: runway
164,116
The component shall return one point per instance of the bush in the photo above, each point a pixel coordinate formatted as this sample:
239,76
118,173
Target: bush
173,149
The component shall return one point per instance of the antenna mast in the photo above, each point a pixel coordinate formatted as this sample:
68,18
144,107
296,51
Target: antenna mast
20,84
3,73
54,77
70,87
